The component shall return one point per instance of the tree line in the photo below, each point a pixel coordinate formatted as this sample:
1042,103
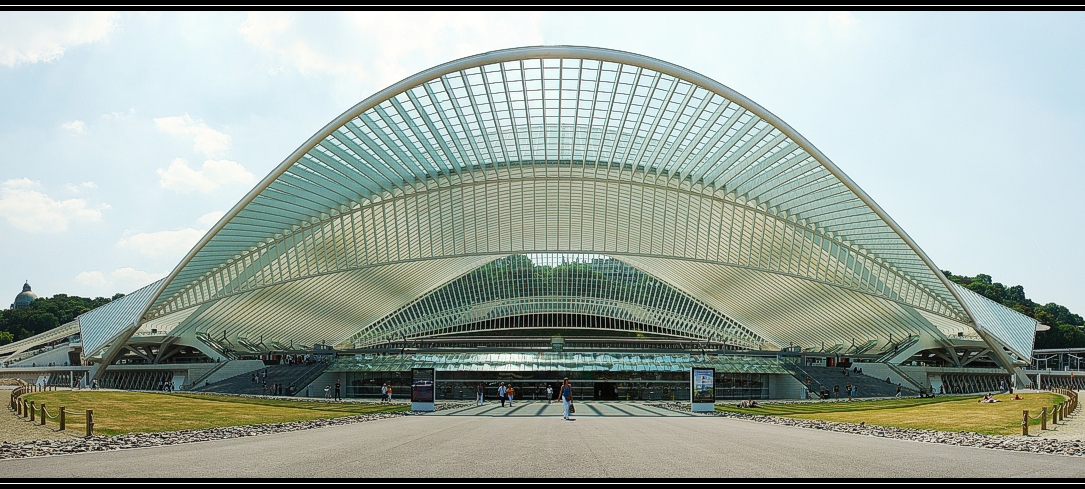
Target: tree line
45,314
1066,327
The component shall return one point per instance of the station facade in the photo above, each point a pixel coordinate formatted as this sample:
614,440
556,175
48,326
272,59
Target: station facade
545,212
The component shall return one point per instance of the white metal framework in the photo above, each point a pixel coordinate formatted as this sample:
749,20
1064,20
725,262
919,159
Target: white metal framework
546,150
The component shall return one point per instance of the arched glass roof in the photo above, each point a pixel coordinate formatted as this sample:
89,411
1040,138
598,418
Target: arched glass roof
564,150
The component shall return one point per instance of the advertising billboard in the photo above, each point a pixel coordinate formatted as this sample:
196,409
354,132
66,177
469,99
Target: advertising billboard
703,385
422,385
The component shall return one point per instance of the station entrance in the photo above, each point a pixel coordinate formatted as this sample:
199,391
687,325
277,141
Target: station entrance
737,377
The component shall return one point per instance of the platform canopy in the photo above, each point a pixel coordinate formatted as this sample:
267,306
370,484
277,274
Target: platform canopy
542,151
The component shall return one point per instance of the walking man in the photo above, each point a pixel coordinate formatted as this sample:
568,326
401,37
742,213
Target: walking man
479,394
337,396
327,391
501,393
549,394
384,393
836,390
898,390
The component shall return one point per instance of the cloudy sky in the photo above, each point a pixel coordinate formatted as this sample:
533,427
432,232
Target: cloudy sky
125,136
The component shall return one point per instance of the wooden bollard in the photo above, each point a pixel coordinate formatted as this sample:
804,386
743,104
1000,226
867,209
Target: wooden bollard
32,409
1054,416
61,418
90,423
1043,418
43,414
1024,423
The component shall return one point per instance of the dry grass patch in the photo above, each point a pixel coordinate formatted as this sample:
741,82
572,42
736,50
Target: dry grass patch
960,414
140,412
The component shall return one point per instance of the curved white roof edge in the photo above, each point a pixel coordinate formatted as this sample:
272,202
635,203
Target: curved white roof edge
550,52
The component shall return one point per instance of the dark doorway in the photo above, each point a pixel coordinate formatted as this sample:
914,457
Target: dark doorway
605,391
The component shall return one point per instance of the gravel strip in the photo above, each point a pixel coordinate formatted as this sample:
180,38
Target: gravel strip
41,448
962,438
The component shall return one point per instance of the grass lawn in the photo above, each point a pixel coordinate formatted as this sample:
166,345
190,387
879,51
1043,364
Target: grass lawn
141,412
939,413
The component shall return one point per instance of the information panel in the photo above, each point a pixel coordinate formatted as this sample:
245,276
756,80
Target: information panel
702,389
422,385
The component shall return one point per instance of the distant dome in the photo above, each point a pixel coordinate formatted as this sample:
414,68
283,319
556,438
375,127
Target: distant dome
25,297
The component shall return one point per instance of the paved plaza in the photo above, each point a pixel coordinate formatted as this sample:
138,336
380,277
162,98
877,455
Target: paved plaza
632,440
544,409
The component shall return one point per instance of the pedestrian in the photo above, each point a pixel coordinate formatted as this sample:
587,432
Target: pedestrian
847,389
389,392
384,393
549,393
836,390
510,392
898,390
327,391
854,390
501,392
566,397
337,396
479,391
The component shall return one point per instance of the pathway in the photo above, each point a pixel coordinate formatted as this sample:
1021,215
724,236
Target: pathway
434,445
15,428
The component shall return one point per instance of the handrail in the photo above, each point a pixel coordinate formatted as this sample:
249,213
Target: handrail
196,382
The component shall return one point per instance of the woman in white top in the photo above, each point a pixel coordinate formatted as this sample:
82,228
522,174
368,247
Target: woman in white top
566,396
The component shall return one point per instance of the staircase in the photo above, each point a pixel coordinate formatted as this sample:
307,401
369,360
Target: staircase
829,377
297,375
222,371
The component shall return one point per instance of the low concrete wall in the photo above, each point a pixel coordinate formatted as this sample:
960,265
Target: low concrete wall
316,388
880,371
785,386
232,368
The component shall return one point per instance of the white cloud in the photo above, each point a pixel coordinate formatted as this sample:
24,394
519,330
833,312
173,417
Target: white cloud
81,187
124,279
76,126
180,177
120,115
32,37
204,139
21,183
210,219
92,279
28,209
163,244
382,42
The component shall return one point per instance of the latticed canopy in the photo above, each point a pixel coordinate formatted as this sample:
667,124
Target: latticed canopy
563,150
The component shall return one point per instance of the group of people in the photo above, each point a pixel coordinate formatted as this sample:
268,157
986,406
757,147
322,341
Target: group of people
338,391
165,386
748,403
508,393
989,398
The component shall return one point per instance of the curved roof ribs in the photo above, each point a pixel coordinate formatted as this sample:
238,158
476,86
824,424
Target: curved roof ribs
572,149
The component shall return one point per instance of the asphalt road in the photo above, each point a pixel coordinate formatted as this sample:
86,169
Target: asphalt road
531,446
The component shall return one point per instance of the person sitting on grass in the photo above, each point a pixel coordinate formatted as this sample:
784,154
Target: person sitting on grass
1016,398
